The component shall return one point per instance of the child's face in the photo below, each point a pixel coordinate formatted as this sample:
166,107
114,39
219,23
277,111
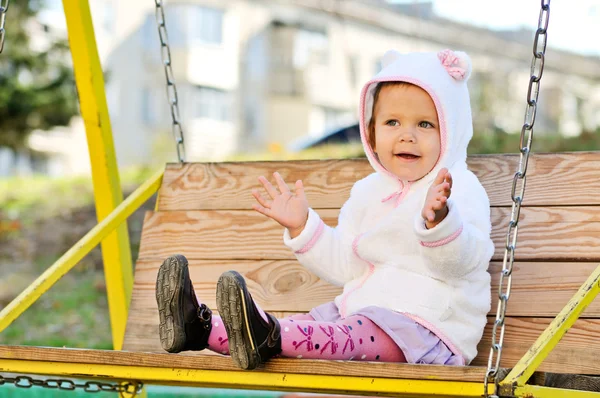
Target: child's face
407,134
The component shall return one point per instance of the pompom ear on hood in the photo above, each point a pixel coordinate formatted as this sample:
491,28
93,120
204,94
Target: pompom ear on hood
443,75
457,63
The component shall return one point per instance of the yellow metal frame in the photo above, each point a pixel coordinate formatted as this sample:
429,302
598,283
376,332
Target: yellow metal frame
257,380
116,251
525,368
111,232
254,380
528,391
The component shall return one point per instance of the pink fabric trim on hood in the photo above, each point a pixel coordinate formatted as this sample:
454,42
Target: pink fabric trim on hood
404,185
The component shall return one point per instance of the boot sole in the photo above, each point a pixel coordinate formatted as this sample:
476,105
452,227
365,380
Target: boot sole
232,302
169,297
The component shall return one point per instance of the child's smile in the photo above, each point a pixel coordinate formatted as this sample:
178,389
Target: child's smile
407,132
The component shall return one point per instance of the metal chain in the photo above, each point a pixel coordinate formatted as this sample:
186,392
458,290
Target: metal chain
537,68
131,388
3,10
165,51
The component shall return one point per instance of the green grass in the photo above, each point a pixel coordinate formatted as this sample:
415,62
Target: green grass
32,198
542,143
73,313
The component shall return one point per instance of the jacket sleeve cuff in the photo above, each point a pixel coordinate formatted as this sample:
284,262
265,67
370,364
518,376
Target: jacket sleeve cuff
443,233
308,237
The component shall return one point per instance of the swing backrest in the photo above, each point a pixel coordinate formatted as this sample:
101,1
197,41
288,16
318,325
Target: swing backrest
204,212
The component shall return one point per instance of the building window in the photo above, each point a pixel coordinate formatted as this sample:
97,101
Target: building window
205,25
190,24
176,22
150,35
212,103
310,47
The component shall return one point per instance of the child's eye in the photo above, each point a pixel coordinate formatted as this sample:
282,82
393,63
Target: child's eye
392,123
425,125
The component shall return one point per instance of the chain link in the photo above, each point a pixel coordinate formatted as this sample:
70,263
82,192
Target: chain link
131,388
518,186
3,10
165,51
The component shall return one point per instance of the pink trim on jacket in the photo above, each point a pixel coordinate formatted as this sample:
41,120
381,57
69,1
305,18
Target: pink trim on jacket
344,302
438,333
314,239
444,241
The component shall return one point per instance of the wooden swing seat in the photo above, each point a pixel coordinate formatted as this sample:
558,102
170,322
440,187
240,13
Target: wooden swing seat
204,212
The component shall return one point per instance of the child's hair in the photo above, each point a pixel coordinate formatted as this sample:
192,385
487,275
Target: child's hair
375,99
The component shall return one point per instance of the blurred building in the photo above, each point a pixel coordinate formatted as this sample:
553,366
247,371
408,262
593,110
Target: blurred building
257,75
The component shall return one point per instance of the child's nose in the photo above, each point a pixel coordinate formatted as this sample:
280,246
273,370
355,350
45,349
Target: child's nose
407,134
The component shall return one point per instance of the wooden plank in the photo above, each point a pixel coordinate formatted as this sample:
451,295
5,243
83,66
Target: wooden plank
189,360
576,176
577,352
543,289
550,233
228,185
546,234
539,289
226,234
200,186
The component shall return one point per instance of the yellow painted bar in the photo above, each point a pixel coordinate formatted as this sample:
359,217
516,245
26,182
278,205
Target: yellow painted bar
251,379
547,392
79,250
554,332
116,251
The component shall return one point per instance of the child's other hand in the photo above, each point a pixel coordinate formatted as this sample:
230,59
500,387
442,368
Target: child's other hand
436,209
288,209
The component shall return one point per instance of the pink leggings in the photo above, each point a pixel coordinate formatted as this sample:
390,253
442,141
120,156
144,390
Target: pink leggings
352,338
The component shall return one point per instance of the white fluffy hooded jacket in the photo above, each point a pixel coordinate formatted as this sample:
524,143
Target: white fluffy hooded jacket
381,252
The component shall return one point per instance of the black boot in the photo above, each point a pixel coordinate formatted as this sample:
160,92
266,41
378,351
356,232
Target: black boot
252,340
184,323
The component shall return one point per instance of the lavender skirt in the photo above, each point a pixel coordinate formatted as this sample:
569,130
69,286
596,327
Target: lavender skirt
418,343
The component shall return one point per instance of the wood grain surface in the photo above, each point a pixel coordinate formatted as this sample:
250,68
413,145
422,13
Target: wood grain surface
283,288
545,234
576,353
539,289
553,179
191,360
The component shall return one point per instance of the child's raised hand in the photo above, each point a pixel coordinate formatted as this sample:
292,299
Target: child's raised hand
288,209
436,209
